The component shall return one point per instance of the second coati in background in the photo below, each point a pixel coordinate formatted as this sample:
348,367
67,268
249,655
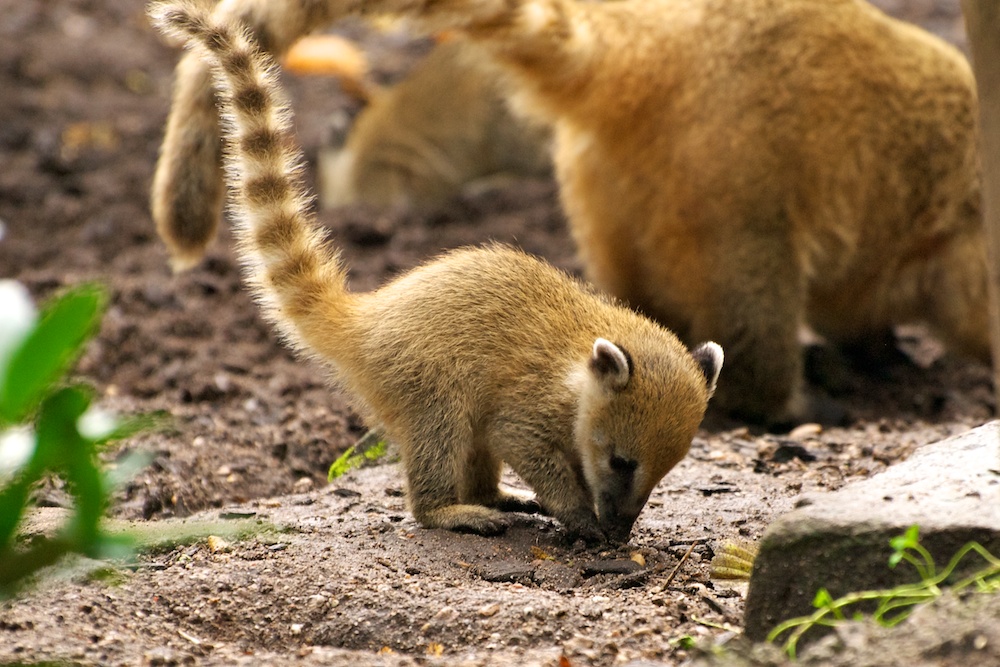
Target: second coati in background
443,127
733,168
481,357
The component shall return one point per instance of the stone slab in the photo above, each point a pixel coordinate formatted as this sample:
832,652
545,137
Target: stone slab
840,540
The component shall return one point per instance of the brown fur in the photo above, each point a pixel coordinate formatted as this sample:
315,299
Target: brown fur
481,357
445,126
739,168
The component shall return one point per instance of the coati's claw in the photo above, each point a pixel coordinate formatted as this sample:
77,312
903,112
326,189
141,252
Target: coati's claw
511,503
463,518
485,528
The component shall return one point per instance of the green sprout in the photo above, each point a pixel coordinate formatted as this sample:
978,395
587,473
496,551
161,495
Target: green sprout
370,447
895,604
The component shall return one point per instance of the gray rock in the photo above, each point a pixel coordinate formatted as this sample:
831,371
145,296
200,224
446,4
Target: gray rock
840,541
610,566
505,571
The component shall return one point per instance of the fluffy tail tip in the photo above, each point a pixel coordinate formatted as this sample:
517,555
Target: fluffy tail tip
178,19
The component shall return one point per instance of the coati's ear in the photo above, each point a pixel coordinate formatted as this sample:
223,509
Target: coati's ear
610,364
709,357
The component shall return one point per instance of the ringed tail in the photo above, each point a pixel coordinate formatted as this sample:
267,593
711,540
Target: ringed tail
299,280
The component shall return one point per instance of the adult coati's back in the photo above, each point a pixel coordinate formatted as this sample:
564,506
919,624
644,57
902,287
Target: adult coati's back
482,356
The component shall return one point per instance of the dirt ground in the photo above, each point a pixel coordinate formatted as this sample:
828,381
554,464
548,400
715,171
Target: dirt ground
350,578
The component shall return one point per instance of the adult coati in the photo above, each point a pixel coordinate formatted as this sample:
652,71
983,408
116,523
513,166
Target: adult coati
483,356
733,168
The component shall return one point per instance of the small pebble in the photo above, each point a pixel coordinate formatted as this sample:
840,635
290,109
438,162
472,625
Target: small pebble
489,610
803,431
218,545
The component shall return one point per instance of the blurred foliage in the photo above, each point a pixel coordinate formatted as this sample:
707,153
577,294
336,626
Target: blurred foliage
48,426
370,448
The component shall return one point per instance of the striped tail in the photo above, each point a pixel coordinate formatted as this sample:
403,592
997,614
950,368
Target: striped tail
299,280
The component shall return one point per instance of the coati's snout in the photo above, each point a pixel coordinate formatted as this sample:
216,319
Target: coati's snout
616,514
619,501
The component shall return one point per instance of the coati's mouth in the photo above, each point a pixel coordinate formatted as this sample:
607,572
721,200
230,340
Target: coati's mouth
615,521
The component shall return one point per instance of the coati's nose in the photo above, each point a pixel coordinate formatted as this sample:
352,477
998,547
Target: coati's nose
617,526
618,532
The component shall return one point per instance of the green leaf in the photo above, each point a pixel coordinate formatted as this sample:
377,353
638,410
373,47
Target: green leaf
69,453
907,540
372,448
344,462
376,451
823,599
49,350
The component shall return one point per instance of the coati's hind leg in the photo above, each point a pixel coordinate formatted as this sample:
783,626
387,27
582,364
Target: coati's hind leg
755,314
437,472
958,300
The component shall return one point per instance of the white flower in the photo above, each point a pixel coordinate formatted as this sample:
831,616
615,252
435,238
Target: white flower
17,444
96,423
17,318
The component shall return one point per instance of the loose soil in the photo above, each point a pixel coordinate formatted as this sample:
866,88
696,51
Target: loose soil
350,578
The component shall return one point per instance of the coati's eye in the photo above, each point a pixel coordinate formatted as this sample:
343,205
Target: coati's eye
622,465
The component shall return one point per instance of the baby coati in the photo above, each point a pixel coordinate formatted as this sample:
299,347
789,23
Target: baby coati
481,357
419,142
733,168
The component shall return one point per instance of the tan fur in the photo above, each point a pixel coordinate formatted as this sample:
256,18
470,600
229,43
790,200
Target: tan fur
739,168
481,357
444,126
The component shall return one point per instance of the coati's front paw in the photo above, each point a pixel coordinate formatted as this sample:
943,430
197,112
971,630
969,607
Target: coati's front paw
465,519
